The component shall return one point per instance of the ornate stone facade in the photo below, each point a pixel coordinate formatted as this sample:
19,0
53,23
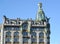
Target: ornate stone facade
19,31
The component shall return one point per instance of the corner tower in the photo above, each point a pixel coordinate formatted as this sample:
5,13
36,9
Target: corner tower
42,27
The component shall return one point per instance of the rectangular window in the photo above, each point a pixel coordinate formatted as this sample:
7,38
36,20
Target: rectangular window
25,40
8,39
11,28
37,29
34,40
41,40
16,39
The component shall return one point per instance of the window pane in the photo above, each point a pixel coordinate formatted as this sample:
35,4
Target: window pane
33,29
16,33
33,34
8,39
34,40
37,29
24,26
25,39
8,33
25,33
41,40
16,28
41,34
16,39
41,29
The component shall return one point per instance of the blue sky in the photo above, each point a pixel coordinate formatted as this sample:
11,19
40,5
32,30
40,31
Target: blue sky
28,8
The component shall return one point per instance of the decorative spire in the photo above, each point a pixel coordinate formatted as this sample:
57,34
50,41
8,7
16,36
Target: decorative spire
40,14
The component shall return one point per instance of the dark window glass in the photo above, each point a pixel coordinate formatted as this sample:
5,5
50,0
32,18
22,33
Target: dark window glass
16,33
8,28
34,40
37,29
41,40
33,29
25,40
16,39
41,29
33,34
16,28
47,34
41,34
8,33
24,26
25,33
11,28
8,39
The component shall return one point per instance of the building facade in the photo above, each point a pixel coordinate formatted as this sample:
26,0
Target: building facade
19,31
0,33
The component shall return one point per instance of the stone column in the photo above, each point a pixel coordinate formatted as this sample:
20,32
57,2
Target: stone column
29,25
37,32
29,40
4,36
20,38
45,38
29,35
12,39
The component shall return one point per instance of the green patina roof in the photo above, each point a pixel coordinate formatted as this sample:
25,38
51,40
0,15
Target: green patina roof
40,14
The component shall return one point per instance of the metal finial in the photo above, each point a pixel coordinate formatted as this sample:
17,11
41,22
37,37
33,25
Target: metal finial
40,5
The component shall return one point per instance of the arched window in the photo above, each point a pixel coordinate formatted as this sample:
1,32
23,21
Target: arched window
24,26
25,33
33,35
41,34
16,33
8,33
